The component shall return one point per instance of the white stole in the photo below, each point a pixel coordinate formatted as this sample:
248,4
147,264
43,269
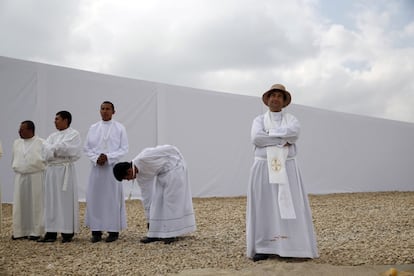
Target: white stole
276,163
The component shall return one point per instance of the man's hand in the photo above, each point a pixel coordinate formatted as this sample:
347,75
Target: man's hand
102,159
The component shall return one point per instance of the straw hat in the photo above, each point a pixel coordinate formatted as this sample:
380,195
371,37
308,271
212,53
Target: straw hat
277,87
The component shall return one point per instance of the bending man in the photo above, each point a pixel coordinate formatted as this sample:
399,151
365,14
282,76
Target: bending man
161,173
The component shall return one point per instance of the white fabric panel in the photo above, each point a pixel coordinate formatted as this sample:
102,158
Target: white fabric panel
342,152
212,131
337,152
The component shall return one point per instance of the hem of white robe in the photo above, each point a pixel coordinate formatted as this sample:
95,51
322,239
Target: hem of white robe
173,227
171,234
23,233
287,253
106,229
56,230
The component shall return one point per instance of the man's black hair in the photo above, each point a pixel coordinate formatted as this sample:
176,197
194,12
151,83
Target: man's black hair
120,170
108,102
30,125
65,115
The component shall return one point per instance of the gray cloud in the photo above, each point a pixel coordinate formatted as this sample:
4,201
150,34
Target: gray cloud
360,63
36,29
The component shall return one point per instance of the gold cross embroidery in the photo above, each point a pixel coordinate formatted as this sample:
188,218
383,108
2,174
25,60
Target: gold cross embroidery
276,165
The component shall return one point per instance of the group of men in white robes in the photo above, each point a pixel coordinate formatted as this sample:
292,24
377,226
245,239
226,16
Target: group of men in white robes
278,215
45,174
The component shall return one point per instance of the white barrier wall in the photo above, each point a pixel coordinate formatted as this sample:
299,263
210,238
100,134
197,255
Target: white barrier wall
337,152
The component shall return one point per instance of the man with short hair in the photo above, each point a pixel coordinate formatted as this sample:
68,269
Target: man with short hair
61,149
105,144
29,166
161,173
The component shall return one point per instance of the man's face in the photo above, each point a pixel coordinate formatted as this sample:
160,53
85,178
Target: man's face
24,132
106,111
61,123
276,101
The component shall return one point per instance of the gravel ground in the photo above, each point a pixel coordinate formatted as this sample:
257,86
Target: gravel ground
353,229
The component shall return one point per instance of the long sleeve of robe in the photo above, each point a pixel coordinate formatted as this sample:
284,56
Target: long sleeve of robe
278,136
27,155
109,138
63,146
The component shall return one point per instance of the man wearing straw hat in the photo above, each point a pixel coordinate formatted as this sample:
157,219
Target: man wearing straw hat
278,218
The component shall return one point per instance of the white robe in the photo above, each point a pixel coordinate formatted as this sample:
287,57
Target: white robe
29,166
166,193
61,150
105,204
266,231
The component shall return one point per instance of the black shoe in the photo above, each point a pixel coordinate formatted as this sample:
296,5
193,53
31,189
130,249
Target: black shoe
169,240
260,257
67,237
148,240
34,238
96,239
45,239
19,238
66,240
111,238
48,237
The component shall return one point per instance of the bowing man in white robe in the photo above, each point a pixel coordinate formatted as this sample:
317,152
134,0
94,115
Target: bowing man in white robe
29,166
61,149
278,215
161,173
105,144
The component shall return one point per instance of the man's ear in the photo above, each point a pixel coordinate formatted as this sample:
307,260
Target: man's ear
129,171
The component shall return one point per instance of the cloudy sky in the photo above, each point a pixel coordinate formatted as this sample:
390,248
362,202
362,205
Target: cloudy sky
354,56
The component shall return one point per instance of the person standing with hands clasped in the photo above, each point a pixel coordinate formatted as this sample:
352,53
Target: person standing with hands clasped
105,144
29,166
60,150
278,215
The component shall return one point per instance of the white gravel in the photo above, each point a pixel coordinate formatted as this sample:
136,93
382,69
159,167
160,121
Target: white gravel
352,229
